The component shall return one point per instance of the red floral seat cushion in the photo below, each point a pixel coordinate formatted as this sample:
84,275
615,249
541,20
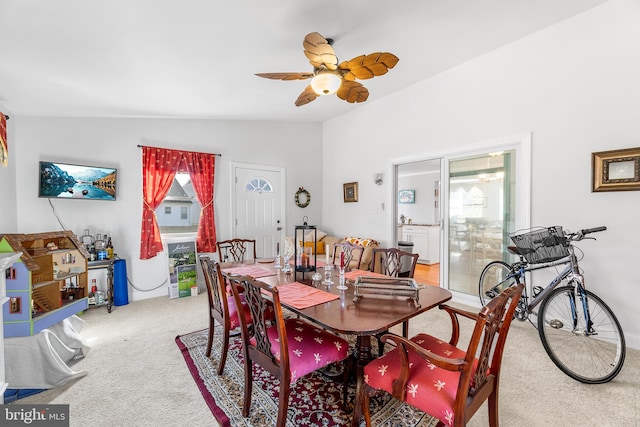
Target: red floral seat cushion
234,321
424,378
310,348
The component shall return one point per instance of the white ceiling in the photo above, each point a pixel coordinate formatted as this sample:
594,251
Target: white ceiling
197,58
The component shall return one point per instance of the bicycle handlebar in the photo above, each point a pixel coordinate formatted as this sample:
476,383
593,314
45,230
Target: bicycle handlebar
582,233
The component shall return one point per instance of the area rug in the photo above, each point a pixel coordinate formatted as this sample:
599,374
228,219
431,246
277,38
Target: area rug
315,400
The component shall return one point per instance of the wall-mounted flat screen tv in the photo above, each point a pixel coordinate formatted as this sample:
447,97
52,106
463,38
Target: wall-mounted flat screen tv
68,181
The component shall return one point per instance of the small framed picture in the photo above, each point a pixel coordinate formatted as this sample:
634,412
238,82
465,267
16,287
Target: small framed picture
406,196
350,192
616,170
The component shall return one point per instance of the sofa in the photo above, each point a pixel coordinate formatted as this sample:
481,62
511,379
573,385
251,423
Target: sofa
324,240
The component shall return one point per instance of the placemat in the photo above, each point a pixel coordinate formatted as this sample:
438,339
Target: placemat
249,270
301,296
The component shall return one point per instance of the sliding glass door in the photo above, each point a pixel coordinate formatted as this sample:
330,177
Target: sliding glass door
481,212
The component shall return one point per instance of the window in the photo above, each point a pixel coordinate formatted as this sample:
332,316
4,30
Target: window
183,199
160,185
259,184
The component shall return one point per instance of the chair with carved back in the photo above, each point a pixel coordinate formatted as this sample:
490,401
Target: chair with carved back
390,262
441,379
236,250
222,308
287,348
352,254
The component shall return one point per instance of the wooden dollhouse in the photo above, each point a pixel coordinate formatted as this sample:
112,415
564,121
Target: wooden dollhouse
47,284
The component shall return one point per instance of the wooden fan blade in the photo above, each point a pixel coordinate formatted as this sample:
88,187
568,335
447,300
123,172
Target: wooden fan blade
319,52
352,92
286,76
306,96
367,66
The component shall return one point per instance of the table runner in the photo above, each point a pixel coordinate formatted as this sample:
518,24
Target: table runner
353,274
301,296
249,270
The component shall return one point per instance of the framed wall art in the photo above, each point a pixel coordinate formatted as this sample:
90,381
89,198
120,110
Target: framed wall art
407,196
350,191
616,170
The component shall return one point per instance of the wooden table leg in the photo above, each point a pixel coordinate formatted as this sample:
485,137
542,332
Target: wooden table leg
363,356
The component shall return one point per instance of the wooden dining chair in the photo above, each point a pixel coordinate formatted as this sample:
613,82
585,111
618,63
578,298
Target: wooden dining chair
222,308
236,250
352,254
441,379
390,262
287,348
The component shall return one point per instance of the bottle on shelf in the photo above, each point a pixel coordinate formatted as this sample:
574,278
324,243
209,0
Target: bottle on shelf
99,296
87,239
92,252
109,249
92,294
100,247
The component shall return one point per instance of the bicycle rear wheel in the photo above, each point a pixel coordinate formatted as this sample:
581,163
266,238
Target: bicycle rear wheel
495,278
591,357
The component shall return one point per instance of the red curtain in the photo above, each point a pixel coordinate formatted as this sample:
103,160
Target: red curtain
159,167
4,144
201,167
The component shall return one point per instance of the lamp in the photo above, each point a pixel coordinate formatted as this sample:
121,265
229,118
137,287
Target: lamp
326,83
377,178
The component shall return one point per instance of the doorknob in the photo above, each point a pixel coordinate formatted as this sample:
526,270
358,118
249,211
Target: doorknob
278,228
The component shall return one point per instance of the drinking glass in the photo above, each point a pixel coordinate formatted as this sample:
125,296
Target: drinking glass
286,268
327,274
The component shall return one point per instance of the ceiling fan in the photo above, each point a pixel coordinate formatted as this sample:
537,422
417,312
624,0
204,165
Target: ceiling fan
329,77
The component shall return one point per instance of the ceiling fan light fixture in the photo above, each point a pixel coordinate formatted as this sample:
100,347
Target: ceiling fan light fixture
326,83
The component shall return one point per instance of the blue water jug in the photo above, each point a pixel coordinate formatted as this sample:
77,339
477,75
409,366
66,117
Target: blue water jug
120,287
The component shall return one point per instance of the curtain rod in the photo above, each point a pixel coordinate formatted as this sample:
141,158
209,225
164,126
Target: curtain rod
148,146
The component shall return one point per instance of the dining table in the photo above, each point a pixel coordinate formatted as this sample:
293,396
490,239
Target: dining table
335,310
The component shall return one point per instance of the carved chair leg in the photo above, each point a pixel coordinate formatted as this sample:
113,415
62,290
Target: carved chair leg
223,351
492,404
248,383
210,341
363,400
283,404
347,369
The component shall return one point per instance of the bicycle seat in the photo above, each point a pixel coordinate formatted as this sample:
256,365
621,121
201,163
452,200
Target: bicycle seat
516,251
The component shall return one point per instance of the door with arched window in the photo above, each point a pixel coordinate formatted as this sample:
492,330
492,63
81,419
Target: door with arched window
258,206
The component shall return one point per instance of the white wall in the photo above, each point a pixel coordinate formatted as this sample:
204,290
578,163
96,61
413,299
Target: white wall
113,142
423,210
574,86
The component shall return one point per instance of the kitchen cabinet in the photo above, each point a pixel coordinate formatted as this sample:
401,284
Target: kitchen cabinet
426,242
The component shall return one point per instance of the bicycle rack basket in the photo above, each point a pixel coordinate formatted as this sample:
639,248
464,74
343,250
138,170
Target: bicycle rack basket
542,245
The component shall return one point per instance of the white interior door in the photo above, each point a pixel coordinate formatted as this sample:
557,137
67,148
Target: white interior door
258,206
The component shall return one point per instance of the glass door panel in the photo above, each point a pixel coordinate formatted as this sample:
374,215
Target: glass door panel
481,207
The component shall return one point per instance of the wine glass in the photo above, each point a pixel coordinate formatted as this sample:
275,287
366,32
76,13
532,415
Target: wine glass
287,254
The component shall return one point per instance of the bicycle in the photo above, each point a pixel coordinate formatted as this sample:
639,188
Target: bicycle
578,330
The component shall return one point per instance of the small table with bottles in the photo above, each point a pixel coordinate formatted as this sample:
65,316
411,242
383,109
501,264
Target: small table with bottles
108,264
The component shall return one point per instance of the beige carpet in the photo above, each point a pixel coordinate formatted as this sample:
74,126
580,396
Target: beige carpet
137,376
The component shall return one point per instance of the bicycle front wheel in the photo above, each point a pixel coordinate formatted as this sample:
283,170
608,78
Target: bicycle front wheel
591,355
495,278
